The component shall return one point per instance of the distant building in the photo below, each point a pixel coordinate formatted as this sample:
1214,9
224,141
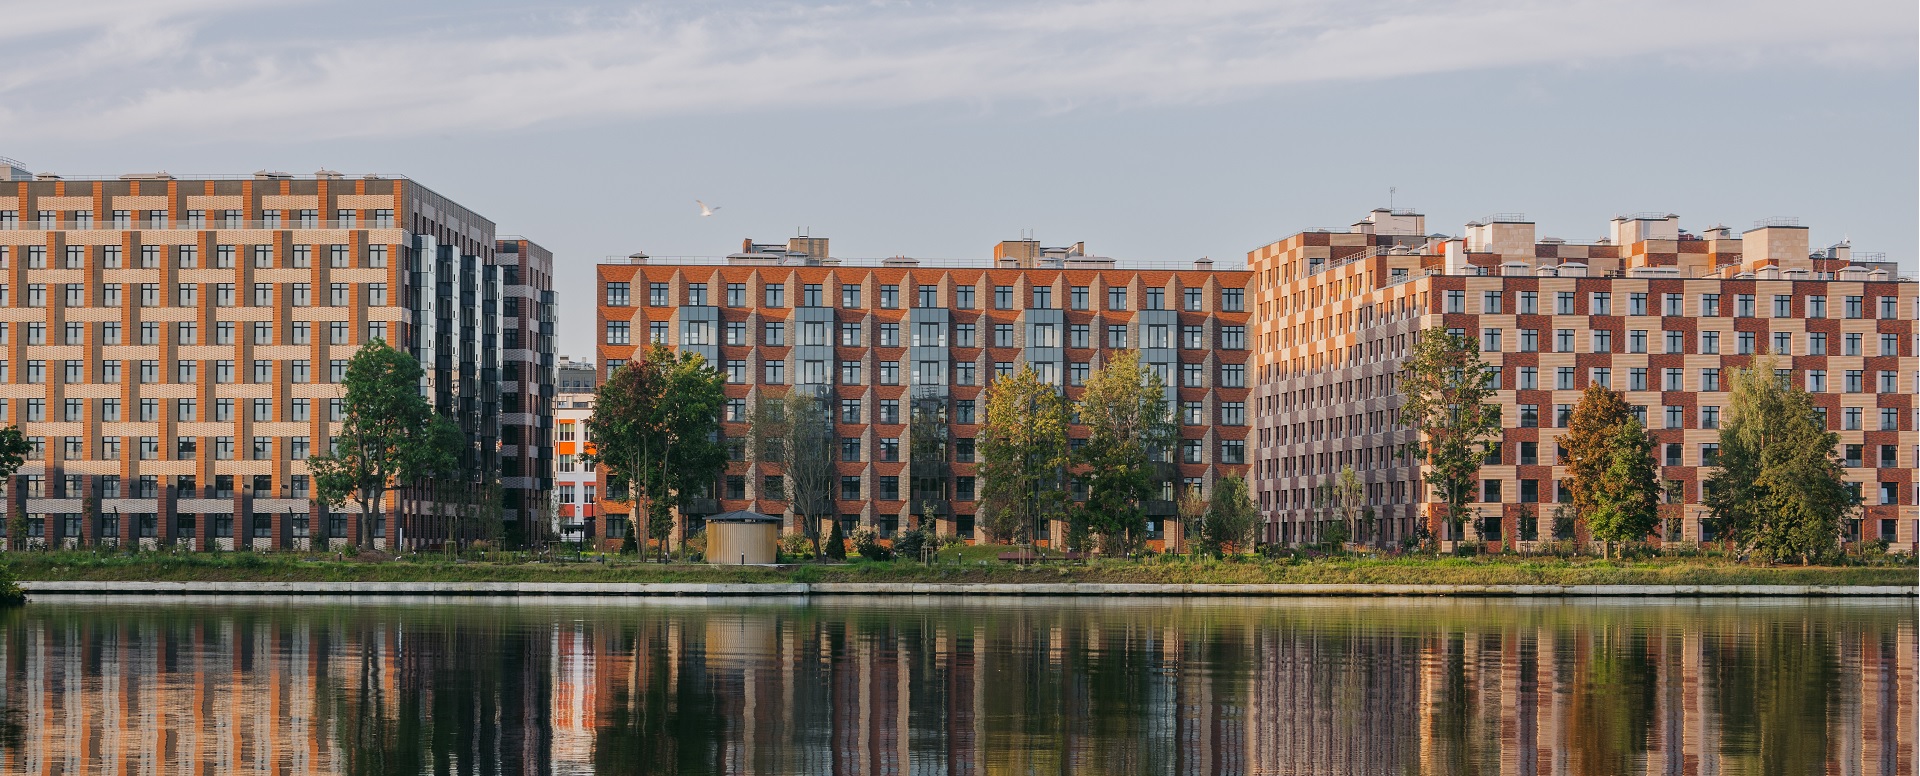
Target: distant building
1659,313
177,347
891,340
576,484
575,376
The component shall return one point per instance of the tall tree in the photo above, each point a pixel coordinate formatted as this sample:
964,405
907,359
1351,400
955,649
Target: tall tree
1447,389
1231,517
1124,409
1780,490
795,431
1348,497
656,426
390,435
1611,468
1023,455
1625,504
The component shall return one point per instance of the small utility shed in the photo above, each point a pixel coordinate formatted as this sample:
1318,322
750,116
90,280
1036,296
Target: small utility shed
742,538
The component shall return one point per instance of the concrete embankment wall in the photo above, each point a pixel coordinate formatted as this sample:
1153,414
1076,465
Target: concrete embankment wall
789,590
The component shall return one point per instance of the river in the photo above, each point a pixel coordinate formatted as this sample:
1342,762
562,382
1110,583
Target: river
957,686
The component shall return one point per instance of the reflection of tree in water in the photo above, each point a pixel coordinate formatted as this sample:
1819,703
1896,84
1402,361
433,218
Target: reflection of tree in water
13,729
663,718
465,692
1773,683
1613,703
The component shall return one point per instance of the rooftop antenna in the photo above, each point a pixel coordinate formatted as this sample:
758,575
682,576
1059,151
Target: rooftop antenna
1391,190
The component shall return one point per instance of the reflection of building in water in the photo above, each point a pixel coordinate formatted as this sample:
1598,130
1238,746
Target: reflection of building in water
753,691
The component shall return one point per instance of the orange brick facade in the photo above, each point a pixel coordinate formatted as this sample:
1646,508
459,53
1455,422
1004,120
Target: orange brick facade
173,349
1660,314
882,340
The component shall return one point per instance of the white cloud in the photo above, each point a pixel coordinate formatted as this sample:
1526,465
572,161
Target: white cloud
212,68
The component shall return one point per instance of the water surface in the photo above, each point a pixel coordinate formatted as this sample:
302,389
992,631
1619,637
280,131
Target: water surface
951,686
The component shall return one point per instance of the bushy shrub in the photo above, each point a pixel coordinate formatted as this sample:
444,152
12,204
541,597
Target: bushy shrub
911,543
795,546
696,546
867,543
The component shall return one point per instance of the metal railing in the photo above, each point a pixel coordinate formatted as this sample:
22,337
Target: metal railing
1777,221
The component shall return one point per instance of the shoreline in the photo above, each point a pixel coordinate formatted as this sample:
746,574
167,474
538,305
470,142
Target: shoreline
912,589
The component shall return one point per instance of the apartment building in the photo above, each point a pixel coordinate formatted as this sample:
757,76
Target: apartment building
889,341
1658,312
576,483
527,385
173,348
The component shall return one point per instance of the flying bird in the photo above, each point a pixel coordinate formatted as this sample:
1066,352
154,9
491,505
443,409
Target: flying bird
705,210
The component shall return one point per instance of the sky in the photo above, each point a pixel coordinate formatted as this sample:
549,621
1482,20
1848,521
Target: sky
1151,130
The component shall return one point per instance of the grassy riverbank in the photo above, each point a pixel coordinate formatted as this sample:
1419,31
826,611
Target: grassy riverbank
289,567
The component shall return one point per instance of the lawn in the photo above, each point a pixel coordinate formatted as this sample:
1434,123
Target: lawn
970,564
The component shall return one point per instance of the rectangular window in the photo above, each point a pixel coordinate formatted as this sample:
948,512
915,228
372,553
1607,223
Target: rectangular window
1233,376
1233,413
1563,303
776,295
963,297
1117,298
1672,304
1003,297
774,372
889,297
1077,297
619,333
1817,306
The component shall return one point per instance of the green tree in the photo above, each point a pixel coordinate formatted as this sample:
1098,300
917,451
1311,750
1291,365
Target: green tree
836,543
656,427
390,435
1231,517
1779,490
1023,455
1624,505
795,431
1447,391
1124,409
14,448
1610,468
